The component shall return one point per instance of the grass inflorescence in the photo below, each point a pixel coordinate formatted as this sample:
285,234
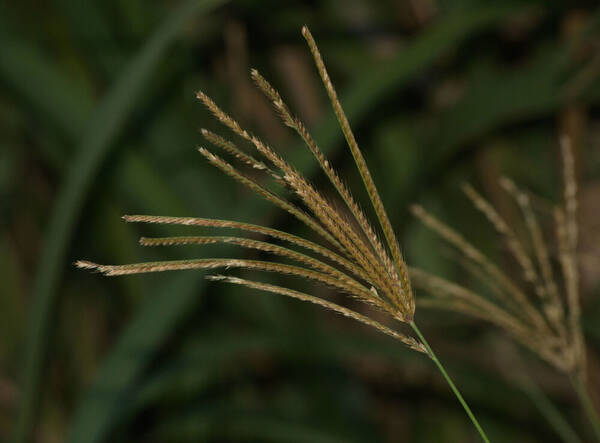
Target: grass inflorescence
351,258
350,255
539,310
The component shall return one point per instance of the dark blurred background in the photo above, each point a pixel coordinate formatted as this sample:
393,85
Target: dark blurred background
98,118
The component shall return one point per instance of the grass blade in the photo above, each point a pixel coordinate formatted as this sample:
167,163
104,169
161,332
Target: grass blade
106,124
130,355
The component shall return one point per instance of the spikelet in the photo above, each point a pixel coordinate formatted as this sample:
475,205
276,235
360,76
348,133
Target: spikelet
392,242
533,312
352,259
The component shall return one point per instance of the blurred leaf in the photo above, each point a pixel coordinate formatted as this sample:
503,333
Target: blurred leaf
12,304
108,121
93,33
44,87
134,350
550,412
227,424
372,84
494,99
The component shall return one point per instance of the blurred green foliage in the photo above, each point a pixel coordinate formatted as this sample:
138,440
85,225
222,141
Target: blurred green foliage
98,118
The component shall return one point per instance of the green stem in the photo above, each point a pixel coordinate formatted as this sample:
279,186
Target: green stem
586,402
450,382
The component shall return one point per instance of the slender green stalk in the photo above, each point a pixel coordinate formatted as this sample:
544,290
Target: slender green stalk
586,402
450,383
